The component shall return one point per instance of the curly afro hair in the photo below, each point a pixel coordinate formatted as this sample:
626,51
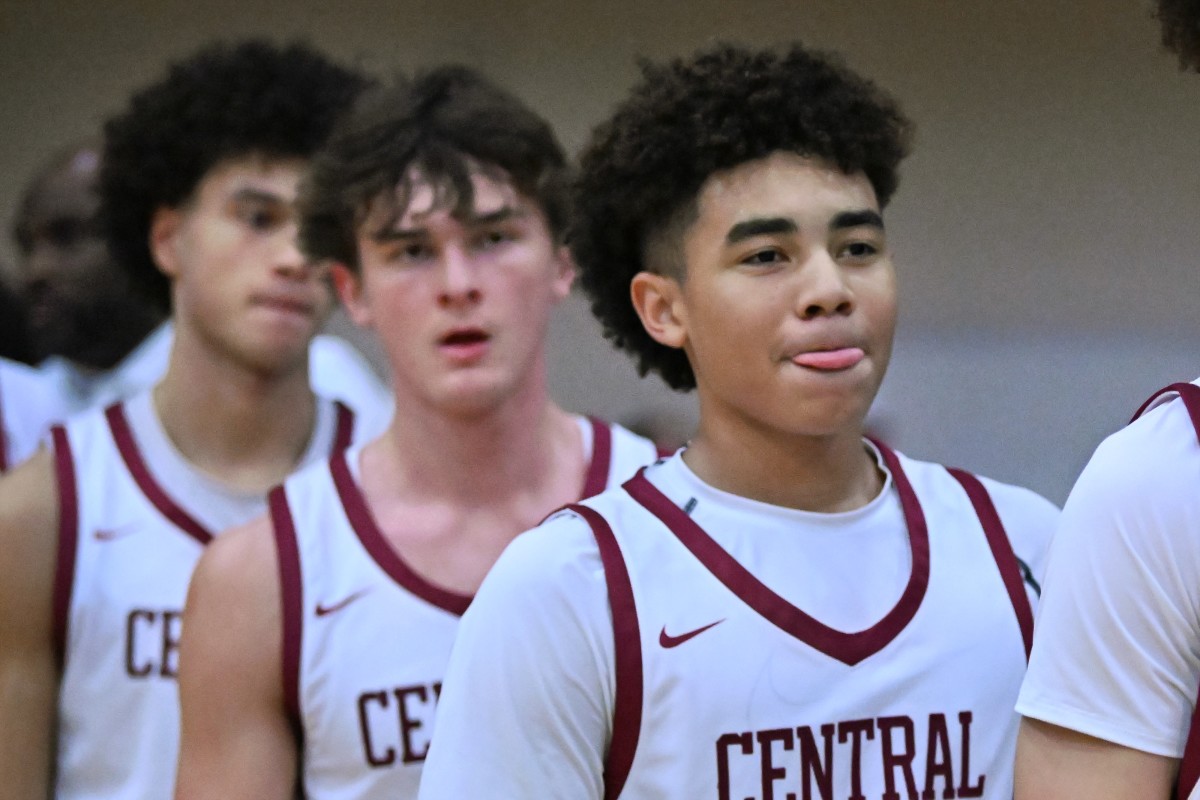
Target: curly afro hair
687,119
1181,30
445,124
229,100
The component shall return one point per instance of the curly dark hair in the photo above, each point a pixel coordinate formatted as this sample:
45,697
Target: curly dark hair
446,123
1181,30
229,100
687,119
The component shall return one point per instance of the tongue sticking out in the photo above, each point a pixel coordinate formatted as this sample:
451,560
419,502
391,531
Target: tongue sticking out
843,358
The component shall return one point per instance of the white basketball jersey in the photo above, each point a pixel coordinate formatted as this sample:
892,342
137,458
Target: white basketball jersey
366,639
27,409
726,690
127,546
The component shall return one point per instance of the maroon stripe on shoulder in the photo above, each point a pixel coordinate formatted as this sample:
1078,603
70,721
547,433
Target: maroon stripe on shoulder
68,538
291,593
154,492
344,431
597,474
1006,559
849,648
1188,392
377,546
627,655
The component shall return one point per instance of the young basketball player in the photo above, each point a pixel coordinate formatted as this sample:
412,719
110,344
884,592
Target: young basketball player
100,533
443,207
1110,698
27,409
785,609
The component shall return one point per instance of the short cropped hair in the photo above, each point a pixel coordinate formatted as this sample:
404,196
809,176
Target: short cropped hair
444,124
690,118
1181,30
227,101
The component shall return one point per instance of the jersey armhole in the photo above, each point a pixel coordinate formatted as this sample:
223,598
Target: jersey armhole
627,655
292,600
1001,547
343,435
68,539
1188,392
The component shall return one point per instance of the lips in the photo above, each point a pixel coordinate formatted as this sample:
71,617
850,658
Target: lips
465,346
285,303
833,359
463,337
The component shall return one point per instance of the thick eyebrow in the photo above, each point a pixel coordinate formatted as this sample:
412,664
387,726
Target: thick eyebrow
501,214
258,196
761,226
857,219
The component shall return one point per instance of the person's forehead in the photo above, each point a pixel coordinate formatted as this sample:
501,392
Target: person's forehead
65,191
270,176
784,184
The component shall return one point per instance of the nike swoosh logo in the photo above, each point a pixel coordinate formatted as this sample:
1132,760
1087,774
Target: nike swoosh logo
112,534
340,604
668,641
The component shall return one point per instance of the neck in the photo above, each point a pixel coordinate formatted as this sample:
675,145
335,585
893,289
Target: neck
479,458
243,426
813,473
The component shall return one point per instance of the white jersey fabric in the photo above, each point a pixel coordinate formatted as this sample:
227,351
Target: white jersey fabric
1118,649
134,519
337,370
759,651
366,639
27,410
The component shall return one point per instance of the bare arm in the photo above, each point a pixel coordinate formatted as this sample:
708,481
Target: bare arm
28,671
1055,763
236,737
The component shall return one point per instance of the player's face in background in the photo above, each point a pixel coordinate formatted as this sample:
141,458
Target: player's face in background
239,282
74,296
788,306
460,299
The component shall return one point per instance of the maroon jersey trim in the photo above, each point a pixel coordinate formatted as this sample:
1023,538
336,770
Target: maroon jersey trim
1006,559
627,655
597,474
68,539
343,434
291,594
154,492
1188,392
364,525
849,648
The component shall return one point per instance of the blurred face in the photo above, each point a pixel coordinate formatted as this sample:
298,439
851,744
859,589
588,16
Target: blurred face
461,302
78,303
788,306
239,282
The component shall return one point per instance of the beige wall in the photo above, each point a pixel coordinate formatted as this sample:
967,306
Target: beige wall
1046,228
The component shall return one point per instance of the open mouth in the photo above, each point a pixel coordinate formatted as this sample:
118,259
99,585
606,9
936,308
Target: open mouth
833,360
464,338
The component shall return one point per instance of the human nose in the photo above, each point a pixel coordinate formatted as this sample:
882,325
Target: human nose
460,284
824,289
289,258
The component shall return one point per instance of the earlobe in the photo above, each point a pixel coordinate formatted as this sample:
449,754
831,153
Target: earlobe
565,278
349,290
656,298
164,231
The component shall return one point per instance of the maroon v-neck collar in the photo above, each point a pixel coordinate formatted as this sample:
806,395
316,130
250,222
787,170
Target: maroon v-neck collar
849,648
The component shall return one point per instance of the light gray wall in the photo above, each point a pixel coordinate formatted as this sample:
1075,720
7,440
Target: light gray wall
1045,231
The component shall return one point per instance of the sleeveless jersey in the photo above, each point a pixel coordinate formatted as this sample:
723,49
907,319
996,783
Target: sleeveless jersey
366,639
127,548
1188,786
27,409
723,689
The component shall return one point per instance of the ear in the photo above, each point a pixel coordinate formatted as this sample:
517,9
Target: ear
349,289
659,303
564,277
165,227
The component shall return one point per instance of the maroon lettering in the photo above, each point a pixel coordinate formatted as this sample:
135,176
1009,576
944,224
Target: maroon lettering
770,772
855,729
410,723
147,619
965,789
172,622
893,760
366,700
725,743
812,767
938,761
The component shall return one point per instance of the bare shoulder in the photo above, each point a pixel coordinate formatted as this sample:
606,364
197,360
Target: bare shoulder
29,541
238,576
